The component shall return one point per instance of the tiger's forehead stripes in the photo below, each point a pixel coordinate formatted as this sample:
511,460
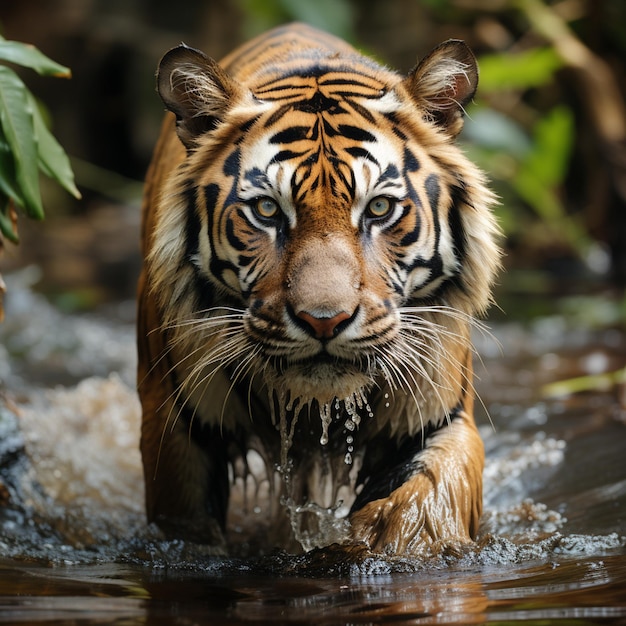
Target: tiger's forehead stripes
333,84
326,137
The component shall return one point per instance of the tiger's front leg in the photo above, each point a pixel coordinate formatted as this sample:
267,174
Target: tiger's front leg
440,501
185,466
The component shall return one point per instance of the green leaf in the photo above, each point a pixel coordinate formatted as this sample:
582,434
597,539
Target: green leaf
553,137
16,119
541,175
7,172
523,70
29,56
53,161
544,168
542,197
6,224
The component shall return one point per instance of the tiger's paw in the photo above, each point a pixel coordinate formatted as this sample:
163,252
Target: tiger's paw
413,520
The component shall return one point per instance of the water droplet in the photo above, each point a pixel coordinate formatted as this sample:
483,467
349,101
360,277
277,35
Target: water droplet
285,427
348,459
289,405
349,439
325,416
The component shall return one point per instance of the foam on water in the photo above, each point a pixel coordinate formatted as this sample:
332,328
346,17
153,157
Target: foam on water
79,494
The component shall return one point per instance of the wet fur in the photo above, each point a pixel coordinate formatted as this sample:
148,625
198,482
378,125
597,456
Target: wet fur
209,386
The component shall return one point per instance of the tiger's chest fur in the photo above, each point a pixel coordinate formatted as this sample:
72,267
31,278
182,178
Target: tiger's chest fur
316,248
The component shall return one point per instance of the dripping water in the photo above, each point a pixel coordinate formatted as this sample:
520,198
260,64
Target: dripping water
330,523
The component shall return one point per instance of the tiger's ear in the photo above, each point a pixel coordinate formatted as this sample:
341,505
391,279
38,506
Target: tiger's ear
196,89
443,82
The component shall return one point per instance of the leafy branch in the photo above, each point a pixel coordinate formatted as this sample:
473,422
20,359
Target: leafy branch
26,145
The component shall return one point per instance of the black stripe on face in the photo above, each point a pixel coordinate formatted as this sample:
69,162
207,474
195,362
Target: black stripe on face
231,164
192,224
411,163
286,155
232,168
362,111
456,225
232,238
433,191
295,134
211,195
275,117
361,153
257,177
434,263
355,133
216,266
319,103
201,288
459,237
391,173
412,236
350,81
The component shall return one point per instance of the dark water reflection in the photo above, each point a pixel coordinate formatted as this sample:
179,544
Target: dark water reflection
586,590
74,547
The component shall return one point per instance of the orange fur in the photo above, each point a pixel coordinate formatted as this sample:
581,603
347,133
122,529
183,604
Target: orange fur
208,385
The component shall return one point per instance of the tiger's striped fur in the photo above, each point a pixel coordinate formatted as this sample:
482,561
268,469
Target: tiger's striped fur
316,248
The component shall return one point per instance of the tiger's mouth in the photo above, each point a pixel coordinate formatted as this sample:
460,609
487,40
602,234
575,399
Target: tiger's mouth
323,377
321,361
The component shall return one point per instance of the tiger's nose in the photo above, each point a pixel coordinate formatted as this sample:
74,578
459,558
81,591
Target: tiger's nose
323,327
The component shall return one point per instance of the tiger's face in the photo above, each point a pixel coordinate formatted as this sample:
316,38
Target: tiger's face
330,224
326,248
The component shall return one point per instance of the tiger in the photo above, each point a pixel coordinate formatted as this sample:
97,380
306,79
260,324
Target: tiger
317,249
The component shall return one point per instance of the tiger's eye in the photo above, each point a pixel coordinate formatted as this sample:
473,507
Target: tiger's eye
379,207
266,208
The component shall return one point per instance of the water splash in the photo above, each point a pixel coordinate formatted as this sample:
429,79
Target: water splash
328,528
76,490
313,523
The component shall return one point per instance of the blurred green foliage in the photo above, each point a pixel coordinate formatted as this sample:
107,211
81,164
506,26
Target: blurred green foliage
520,70
548,124
526,145
333,16
528,165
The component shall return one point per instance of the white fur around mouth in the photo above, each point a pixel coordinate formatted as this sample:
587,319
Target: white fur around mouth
320,386
322,381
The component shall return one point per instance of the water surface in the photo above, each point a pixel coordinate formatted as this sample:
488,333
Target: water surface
74,546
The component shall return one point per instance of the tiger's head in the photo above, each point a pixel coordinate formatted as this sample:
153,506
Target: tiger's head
323,231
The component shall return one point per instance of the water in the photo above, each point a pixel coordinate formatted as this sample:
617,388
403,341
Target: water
74,546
